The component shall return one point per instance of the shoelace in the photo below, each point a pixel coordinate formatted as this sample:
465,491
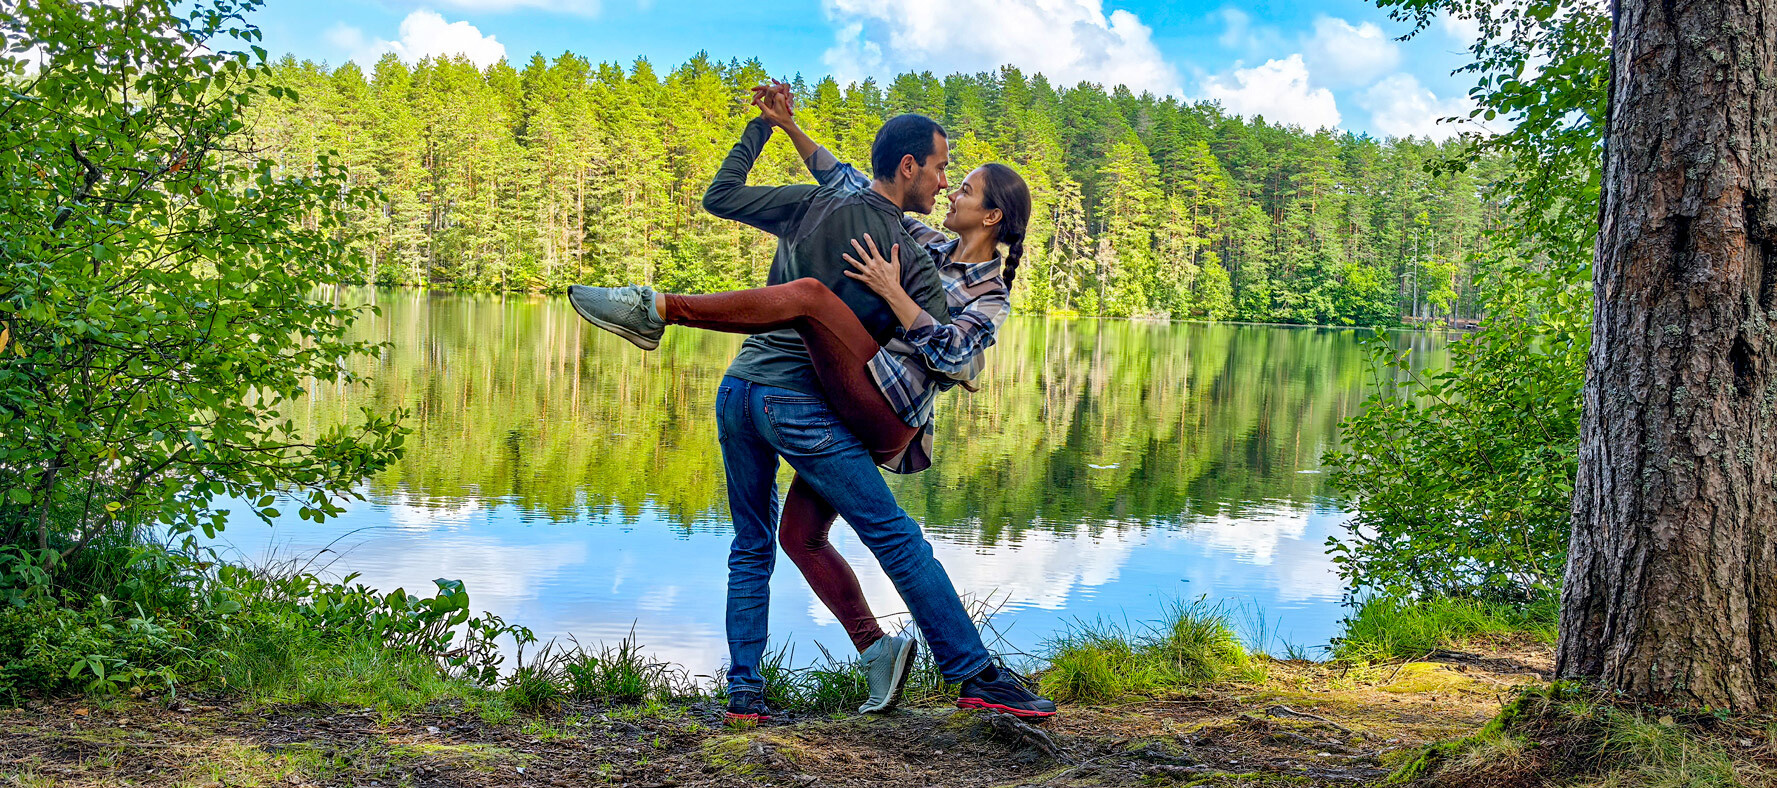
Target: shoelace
629,296
1029,684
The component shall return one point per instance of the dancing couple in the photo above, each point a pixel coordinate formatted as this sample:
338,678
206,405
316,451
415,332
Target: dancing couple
867,315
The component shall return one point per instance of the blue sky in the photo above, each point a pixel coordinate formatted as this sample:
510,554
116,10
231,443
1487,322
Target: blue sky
1315,63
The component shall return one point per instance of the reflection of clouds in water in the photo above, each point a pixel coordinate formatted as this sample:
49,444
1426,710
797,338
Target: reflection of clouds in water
1049,571
1302,570
604,574
1040,570
502,574
1252,538
659,599
419,516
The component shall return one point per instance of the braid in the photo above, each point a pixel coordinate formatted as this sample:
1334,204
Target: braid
1006,191
1014,253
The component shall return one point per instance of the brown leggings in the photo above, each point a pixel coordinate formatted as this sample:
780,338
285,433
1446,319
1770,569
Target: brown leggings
841,349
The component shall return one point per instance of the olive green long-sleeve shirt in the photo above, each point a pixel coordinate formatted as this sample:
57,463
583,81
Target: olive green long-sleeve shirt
815,226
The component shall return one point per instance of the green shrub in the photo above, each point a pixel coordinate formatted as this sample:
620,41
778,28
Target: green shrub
141,379
1463,478
181,617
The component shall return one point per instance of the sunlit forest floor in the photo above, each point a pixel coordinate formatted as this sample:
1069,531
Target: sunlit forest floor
1295,723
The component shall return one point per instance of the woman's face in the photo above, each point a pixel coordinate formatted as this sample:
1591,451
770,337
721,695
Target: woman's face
966,212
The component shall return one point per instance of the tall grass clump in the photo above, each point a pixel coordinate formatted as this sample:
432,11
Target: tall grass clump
1386,628
621,674
1103,661
833,685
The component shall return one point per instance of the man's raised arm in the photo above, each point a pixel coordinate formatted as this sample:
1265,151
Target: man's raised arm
769,208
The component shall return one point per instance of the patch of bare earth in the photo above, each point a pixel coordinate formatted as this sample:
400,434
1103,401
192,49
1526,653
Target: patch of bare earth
1306,724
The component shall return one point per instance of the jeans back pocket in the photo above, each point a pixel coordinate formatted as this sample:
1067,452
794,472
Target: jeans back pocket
803,424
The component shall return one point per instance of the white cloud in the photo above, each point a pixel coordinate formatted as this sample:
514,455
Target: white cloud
423,34
348,39
1237,22
575,7
1464,30
1279,90
1399,106
1341,54
1066,40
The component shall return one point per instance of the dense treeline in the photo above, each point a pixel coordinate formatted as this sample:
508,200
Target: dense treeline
566,171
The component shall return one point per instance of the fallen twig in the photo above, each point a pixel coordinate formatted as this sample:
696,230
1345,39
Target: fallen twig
1285,711
1297,738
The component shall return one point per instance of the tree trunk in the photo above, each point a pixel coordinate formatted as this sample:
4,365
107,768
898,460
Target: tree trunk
1671,591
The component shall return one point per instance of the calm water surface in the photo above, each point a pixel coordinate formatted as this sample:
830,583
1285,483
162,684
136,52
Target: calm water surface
1104,469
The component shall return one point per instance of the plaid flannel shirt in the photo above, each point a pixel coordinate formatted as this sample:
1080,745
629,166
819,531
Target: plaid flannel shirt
930,357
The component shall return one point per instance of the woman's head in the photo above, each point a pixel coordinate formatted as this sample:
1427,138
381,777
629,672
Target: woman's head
993,198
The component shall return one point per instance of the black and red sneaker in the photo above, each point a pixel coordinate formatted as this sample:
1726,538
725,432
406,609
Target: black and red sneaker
747,708
997,688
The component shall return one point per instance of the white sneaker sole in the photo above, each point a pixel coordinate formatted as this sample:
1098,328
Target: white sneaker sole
645,343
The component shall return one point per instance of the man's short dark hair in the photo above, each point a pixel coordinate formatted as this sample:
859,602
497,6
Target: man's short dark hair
900,136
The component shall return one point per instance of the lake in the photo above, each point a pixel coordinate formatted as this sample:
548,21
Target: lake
1105,468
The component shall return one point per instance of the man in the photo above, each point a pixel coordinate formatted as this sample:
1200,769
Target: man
771,405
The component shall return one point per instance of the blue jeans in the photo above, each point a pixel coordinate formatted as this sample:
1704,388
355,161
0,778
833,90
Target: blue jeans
756,425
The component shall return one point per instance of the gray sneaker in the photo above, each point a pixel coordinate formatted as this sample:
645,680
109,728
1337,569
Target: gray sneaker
626,311
887,664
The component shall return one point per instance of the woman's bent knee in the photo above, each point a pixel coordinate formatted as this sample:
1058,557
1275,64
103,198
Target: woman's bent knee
807,287
806,543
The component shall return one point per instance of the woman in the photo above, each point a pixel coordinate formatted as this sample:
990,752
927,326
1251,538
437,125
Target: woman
887,390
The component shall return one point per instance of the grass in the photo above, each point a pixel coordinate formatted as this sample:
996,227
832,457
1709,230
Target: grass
1573,736
1191,644
1388,629
620,674
835,685
1660,753
1103,661
291,666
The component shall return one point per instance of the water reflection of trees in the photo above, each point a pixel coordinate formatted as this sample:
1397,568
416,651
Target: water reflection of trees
1077,423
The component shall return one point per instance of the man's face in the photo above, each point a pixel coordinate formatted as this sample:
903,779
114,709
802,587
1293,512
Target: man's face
928,181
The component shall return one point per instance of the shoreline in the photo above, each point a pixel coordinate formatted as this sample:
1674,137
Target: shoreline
1061,314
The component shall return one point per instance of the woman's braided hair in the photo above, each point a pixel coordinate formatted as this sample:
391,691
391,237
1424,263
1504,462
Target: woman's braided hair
1004,189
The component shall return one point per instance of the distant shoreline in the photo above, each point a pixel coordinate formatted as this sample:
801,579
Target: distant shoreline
1429,329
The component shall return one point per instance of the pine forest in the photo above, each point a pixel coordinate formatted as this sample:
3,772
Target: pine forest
564,171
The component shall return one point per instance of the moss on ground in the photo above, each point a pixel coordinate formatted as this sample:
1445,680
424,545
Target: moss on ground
1420,677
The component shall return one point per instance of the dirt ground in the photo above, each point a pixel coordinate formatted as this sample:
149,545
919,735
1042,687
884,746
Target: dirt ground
1305,724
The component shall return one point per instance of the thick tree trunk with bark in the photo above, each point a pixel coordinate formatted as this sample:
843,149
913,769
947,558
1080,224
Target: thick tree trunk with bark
1671,591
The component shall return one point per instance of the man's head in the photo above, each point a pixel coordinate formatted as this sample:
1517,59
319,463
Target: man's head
908,160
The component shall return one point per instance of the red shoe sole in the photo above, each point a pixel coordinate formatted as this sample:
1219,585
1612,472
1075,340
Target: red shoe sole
977,703
747,718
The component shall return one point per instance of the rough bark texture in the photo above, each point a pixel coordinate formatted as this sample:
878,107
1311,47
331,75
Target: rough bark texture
1671,591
